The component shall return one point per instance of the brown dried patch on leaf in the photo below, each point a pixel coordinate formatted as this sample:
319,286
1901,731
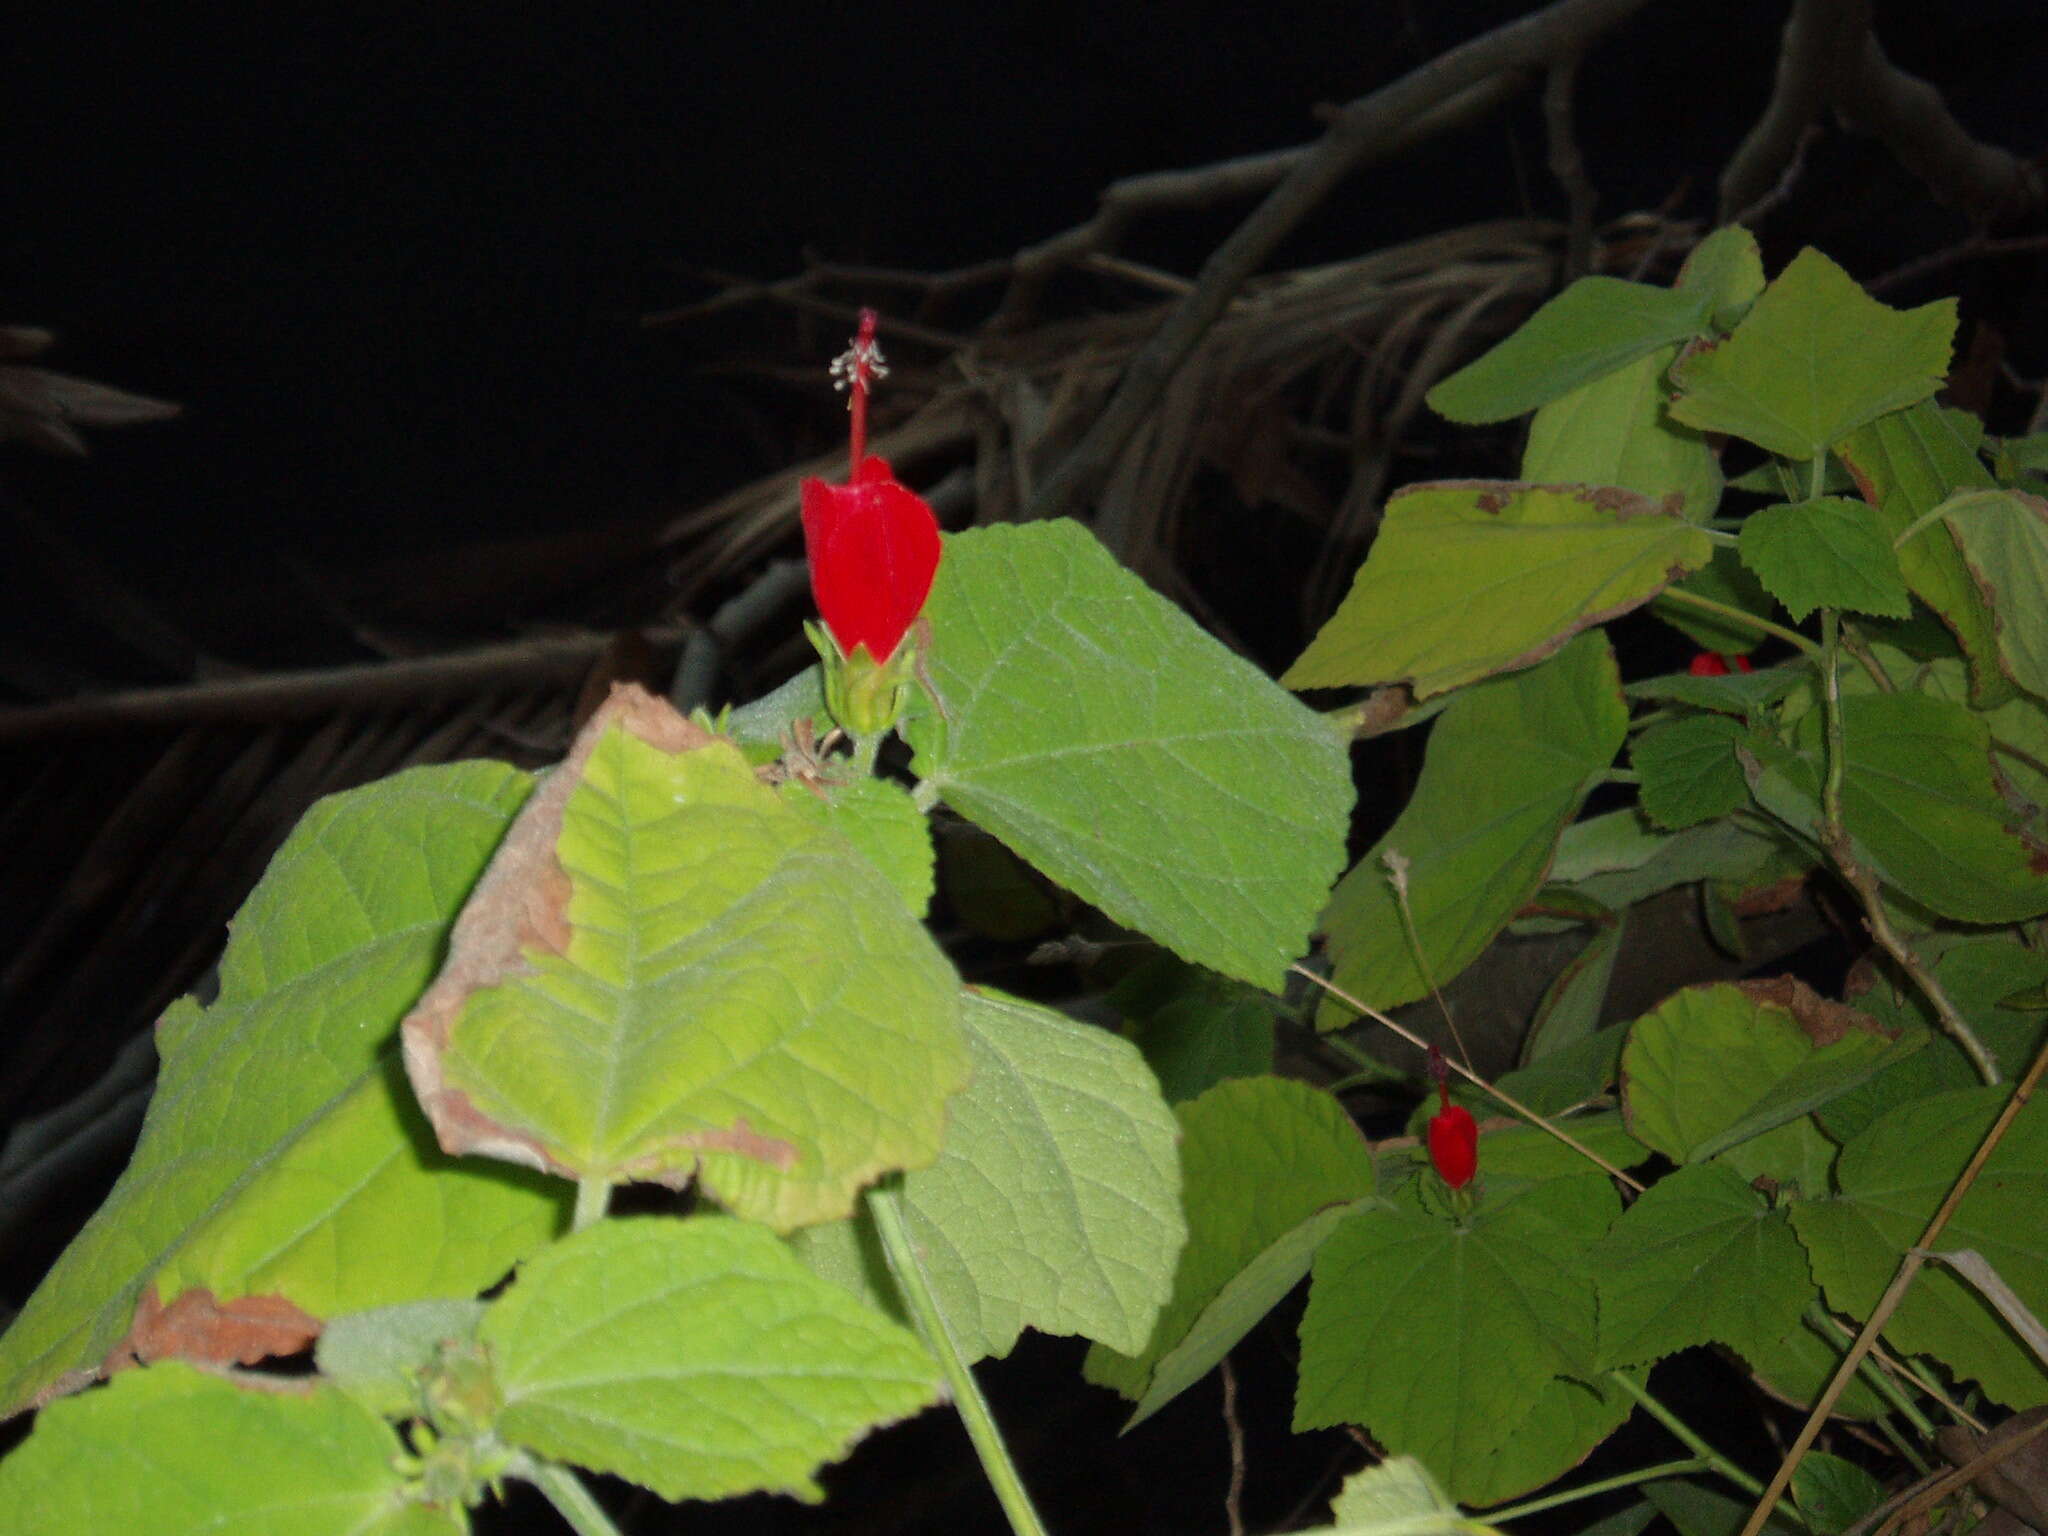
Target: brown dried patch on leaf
1383,710
207,1331
1823,1020
659,1166
520,905
1779,896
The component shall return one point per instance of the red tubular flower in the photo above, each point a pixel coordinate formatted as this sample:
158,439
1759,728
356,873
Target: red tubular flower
874,548
1453,1134
1713,664
1454,1144
873,544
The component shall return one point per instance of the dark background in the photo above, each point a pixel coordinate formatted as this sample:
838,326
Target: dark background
392,261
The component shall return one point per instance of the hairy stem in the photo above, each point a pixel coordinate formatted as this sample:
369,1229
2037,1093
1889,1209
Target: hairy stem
885,1203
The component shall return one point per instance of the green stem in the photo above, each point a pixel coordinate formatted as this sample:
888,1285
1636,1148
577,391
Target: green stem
1818,1316
1593,1490
885,1203
593,1197
864,750
1714,1460
1831,704
1741,616
564,1489
1621,776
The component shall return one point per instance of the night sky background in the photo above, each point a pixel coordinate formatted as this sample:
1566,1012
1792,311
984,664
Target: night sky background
392,262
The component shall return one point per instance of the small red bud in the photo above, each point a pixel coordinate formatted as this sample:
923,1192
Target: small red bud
1454,1145
1714,664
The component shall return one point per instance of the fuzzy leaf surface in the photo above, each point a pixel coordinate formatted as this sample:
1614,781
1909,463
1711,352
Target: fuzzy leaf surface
1435,1336
669,969
171,1451
1055,1204
1617,431
1825,553
697,1357
1905,465
1467,578
1260,1157
282,1155
1717,1064
1506,769
1700,1258
1595,326
1891,1178
1919,803
2004,539
1689,770
1814,359
1111,743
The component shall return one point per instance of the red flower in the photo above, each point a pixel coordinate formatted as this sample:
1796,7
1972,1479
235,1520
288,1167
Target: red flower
1713,664
874,548
1454,1144
873,544
1453,1134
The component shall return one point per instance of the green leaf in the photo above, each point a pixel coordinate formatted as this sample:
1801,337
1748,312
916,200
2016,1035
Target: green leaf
1979,976
1919,804
1825,553
1469,578
1506,768
1742,694
1797,1369
1814,359
1620,859
1617,431
1529,1152
1094,729
1397,1497
1905,465
1196,1028
773,716
1718,1064
1569,1075
1260,1157
1696,1510
879,818
2004,539
1595,326
1571,1005
1891,1178
282,1154
171,1451
696,1357
376,1356
1701,1258
1435,1336
1796,1154
1832,1493
1728,269
1689,770
1725,580
718,984
1055,1204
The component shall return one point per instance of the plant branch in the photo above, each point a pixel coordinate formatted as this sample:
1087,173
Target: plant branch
1568,165
1370,127
1513,1103
1909,1266
1831,58
1743,617
885,1203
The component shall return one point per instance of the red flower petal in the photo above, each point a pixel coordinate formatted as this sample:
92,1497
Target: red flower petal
874,548
1454,1145
1713,664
